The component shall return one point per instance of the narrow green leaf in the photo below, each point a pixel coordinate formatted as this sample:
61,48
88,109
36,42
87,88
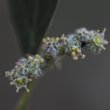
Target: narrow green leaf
31,19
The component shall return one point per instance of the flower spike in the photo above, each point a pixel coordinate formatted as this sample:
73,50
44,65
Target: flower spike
72,45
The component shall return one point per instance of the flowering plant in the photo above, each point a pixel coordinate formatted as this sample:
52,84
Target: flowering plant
73,45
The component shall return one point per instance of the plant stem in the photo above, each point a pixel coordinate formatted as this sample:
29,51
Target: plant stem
22,104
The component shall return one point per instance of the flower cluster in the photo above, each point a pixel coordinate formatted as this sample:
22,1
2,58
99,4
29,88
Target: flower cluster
24,71
51,46
71,45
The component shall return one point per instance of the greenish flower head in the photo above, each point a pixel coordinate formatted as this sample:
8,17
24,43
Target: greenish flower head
21,82
98,41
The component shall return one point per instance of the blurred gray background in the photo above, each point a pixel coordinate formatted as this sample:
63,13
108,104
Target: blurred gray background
79,85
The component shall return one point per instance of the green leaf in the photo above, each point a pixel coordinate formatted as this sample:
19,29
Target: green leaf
31,19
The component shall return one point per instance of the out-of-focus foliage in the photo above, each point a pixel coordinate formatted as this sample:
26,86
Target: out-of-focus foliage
31,19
